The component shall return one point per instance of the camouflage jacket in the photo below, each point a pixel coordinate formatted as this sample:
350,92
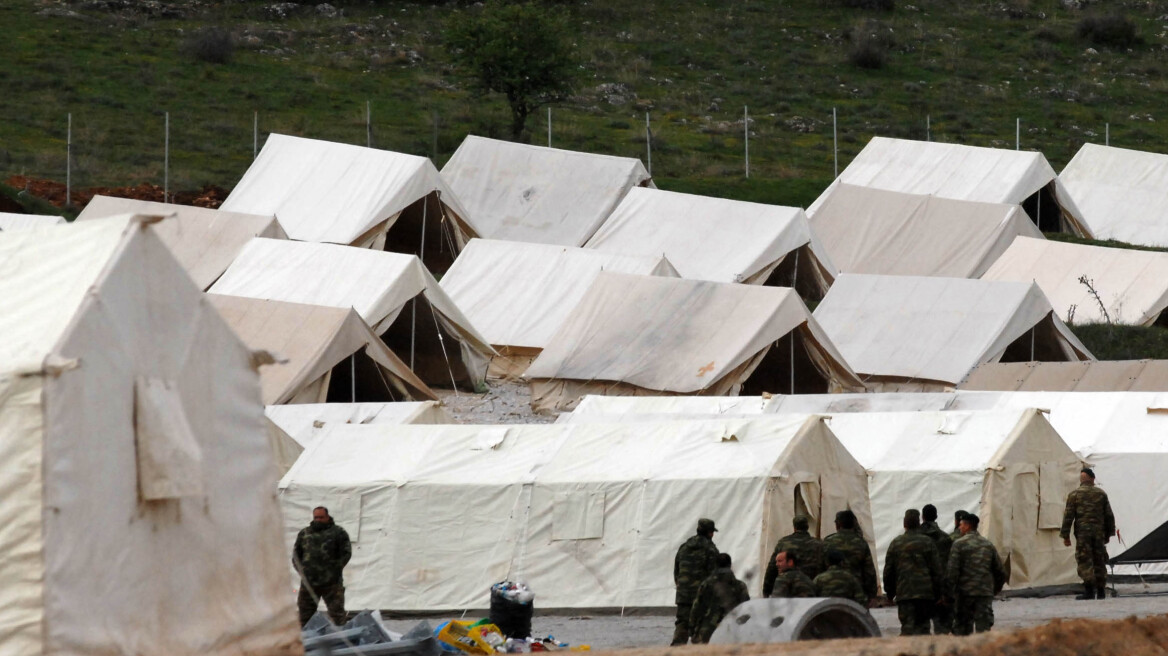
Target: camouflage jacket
975,570
793,583
838,581
954,536
1090,512
940,538
808,553
719,594
696,559
857,555
912,568
321,553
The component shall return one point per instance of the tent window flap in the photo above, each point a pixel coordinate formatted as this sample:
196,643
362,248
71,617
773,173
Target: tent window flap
578,516
1051,495
170,461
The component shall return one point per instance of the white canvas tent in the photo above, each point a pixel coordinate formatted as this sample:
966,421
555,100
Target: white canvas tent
319,349
392,292
304,422
137,480
911,333
1009,467
343,194
1122,193
203,240
645,335
989,175
516,294
589,516
1132,285
13,222
543,195
720,240
869,230
1090,376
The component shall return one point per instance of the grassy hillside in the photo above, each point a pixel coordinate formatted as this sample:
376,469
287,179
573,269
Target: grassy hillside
971,66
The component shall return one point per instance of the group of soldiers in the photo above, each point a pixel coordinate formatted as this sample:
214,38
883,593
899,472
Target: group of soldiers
941,582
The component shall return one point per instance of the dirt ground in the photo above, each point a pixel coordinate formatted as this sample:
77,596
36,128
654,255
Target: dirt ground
507,402
1015,617
54,192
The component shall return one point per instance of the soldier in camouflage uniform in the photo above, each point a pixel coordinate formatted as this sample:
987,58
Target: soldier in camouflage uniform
975,575
1090,512
956,534
696,559
791,581
849,541
838,581
320,554
808,551
912,576
719,594
942,617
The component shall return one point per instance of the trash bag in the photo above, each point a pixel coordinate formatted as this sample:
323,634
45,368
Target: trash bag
512,607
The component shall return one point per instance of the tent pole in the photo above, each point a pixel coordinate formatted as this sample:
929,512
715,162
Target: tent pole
1032,342
353,377
794,279
413,328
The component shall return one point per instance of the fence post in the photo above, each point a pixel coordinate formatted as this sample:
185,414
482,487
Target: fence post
166,163
648,144
835,140
69,162
928,128
255,135
746,137
1106,134
1017,134
368,125
549,126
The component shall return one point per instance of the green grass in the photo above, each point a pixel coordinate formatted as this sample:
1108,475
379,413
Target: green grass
1108,243
1109,342
972,67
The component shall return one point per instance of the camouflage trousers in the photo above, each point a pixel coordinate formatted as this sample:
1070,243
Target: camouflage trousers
973,614
334,600
914,615
681,625
1091,557
943,619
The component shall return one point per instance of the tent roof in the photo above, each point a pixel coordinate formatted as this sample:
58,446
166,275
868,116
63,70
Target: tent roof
1123,194
1090,376
707,238
536,194
934,329
46,273
518,293
869,230
203,240
304,421
674,335
992,175
375,283
1132,284
10,221
333,192
312,338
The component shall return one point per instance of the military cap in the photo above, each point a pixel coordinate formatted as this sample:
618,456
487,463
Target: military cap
958,515
706,526
801,523
1088,471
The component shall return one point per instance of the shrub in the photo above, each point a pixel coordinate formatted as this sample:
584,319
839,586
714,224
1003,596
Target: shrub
213,45
870,44
1114,31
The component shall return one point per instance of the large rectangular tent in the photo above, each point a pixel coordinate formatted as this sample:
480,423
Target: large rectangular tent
1089,376
1122,193
589,516
12,222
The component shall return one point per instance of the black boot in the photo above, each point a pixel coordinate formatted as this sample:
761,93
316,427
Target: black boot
1089,592
1101,591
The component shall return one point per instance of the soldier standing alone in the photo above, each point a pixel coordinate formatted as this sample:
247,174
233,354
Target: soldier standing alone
696,559
320,554
942,617
912,576
848,540
808,552
975,576
1090,512
719,594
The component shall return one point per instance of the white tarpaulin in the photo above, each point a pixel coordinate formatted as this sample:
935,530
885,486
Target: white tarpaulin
1132,285
928,333
317,350
13,222
1090,376
988,463
517,294
869,230
131,525
304,422
380,287
528,193
203,240
641,335
1122,193
343,194
717,239
989,175
589,516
